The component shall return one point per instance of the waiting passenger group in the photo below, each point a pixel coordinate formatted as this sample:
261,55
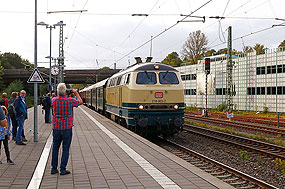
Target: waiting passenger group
14,112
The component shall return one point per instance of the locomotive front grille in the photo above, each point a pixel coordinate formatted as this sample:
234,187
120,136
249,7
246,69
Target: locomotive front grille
159,106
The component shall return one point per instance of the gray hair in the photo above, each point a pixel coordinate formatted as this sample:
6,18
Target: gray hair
61,89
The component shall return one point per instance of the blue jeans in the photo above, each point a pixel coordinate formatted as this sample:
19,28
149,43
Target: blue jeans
47,112
20,121
64,136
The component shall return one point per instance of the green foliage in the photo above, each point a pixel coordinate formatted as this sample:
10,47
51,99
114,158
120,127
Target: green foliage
256,107
195,47
105,68
247,49
259,160
15,86
211,52
223,51
243,155
280,164
259,49
172,59
13,61
222,107
265,108
1,75
282,44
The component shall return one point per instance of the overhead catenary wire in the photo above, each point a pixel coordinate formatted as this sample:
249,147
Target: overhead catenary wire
155,36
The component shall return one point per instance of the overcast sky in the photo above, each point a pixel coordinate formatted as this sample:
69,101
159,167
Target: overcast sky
107,32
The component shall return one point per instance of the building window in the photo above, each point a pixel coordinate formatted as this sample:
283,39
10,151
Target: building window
258,70
279,69
279,90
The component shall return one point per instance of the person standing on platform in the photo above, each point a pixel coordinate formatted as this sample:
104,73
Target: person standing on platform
5,134
21,115
62,123
12,114
46,106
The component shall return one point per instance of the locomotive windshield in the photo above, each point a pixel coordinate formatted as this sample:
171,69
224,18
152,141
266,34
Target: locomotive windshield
168,78
146,78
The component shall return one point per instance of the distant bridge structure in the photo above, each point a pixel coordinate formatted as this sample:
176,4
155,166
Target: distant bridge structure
82,76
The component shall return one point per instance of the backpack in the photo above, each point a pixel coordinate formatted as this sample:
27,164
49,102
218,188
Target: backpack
2,102
44,103
11,110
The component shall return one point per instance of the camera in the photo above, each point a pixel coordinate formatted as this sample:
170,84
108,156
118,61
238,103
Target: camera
69,91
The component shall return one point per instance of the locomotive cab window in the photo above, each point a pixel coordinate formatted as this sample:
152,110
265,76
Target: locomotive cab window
146,78
168,78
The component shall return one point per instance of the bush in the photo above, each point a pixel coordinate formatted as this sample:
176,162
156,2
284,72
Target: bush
222,107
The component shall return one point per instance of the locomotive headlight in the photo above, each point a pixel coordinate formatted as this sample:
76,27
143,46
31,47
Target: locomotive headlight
175,106
141,107
156,67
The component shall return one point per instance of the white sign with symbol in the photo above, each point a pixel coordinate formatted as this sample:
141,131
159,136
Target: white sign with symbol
36,77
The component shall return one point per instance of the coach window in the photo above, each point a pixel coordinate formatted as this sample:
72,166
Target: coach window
128,79
168,78
119,80
146,78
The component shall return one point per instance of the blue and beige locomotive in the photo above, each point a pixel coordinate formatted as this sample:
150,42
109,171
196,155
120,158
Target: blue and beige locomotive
146,97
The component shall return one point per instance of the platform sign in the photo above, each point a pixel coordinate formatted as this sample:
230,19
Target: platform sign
36,77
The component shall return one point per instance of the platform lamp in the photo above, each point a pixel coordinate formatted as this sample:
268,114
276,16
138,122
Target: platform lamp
50,27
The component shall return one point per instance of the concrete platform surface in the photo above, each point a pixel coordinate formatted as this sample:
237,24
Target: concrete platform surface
102,155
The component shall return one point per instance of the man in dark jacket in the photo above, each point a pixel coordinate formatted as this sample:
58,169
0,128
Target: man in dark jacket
46,107
12,114
21,115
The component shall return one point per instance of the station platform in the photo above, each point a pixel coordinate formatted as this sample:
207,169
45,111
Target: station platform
102,155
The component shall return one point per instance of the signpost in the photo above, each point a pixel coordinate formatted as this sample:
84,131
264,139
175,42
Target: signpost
35,78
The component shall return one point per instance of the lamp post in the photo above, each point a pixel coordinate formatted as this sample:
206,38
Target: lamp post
50,27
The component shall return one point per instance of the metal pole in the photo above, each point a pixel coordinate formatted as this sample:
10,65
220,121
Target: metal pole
150,46
206,95
229,78
50,85
35,84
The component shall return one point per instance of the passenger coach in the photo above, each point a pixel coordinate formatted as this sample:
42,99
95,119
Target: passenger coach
147,97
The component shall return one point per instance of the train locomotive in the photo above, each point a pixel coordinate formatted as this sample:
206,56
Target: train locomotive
147,98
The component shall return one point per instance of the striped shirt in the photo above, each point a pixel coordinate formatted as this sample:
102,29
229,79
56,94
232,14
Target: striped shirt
63,112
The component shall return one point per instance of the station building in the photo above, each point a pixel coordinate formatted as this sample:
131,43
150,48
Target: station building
258,82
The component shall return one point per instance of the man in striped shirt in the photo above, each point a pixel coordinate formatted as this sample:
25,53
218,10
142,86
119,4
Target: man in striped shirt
62,123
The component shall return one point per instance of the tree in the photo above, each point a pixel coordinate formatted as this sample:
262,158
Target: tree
211,52
247,49
172,59
15,86
1,74
259,49
194,47
282,45
105,68
13,61
223,51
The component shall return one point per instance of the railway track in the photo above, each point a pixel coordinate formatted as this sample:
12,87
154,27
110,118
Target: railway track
263,148
240,125
229,175
245,118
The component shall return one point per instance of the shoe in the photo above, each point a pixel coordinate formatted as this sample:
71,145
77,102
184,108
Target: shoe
20,143
10,162
66,172
24,139
53,171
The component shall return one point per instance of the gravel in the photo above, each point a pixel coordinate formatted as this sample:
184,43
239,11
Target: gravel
258,166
